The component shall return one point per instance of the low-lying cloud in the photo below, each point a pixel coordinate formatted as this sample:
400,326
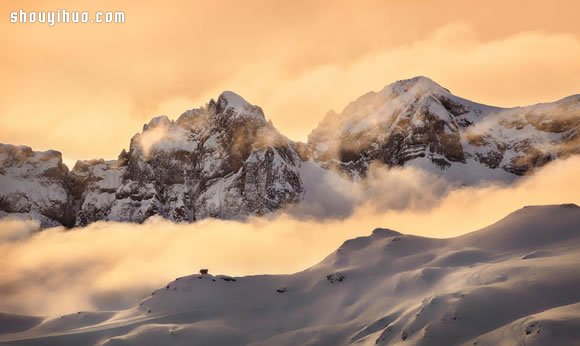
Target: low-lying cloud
330,195
109,265
13,230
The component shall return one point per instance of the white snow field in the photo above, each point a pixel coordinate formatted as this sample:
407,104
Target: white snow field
516,282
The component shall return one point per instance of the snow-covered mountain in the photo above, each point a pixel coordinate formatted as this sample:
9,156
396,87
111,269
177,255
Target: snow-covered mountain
225,160
35,184
417,122
515,282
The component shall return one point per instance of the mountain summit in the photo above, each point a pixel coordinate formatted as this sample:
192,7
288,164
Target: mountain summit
418,122
225,160
240,107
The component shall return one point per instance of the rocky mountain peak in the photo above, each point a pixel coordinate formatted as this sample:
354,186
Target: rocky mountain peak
232,105
416,85
418,122
377,110
224,160
158,121
231,99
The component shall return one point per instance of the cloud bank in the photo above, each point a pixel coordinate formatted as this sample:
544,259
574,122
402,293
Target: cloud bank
110,265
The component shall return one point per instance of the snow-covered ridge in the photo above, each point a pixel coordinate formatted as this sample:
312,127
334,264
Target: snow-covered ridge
417,122
222,160
241,107
225,160
34,185
512,283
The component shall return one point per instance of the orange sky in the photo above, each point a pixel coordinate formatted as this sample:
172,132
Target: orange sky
85,89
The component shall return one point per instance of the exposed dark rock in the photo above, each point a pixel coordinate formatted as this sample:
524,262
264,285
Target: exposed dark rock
225,160
336,277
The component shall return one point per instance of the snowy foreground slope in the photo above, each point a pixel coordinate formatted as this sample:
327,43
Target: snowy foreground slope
515,282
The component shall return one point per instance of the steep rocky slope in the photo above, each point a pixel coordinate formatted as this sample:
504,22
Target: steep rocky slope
418,122
35,185
225,160
512,283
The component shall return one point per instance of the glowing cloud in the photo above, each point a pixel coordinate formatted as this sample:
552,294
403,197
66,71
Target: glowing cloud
111,265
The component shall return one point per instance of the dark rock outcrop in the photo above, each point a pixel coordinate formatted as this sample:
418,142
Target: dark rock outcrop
419,122
225,160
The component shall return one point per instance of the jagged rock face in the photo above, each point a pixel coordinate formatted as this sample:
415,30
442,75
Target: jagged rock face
35,185
96,188
520,139
223,160
418,122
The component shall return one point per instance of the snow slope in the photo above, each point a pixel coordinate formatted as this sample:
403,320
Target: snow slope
515,282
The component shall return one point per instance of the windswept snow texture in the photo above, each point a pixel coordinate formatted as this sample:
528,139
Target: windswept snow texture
515,282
